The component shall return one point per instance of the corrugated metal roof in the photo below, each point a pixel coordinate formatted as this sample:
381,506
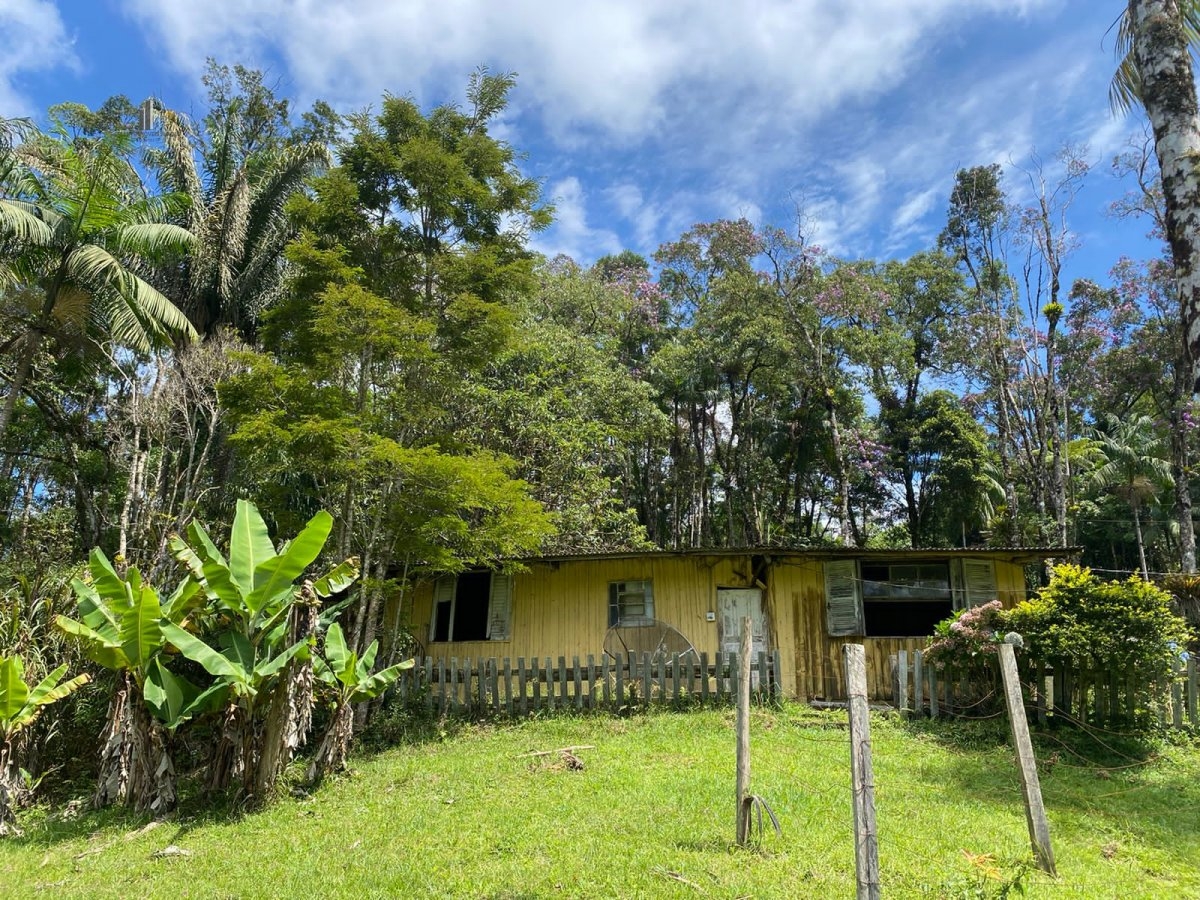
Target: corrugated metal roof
1015,554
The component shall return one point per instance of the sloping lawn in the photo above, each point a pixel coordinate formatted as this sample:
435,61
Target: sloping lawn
650,815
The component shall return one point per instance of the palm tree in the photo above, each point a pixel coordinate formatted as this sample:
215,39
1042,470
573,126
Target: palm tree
1131,467
98,228
1154,39
236,215
19,225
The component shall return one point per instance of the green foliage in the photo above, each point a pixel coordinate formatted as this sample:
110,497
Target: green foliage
350,676
255,588
120,617
20,703
1124,625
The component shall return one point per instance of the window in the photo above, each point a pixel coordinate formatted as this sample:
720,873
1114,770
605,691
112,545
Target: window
905,599
474,606
894,598
630,603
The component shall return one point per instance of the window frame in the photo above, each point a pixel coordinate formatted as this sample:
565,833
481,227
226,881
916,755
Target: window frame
973,581
499,608
618,590
911,594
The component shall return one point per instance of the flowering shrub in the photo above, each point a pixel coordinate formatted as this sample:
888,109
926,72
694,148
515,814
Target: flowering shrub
1124,625
968,638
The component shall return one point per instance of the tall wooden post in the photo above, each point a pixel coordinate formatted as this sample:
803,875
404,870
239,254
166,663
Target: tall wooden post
1031,789
743,733
866,842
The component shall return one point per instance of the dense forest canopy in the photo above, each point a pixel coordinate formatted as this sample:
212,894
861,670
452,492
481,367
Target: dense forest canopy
341,310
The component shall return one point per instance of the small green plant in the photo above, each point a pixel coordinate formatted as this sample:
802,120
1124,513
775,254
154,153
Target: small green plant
352,682
120,627
989,879
20,705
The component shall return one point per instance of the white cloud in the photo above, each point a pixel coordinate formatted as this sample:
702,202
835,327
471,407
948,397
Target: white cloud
626,67
34,40
571,234
659,115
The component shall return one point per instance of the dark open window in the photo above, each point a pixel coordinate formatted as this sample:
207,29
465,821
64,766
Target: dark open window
441,621
905,599
471,596
473,606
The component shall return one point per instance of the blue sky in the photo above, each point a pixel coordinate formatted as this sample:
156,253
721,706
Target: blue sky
642,117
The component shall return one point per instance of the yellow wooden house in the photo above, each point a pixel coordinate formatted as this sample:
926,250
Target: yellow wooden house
804,603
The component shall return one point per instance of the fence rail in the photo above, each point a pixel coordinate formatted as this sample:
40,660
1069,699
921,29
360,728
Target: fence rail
1087,695
502,686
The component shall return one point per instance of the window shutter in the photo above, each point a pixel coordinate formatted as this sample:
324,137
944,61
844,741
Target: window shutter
979,578
843,598
500,608
443,592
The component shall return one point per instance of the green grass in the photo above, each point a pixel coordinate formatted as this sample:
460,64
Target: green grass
651,815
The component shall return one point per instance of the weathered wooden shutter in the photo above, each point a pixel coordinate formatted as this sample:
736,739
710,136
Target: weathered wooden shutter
843,598
443,592
979,581
500,608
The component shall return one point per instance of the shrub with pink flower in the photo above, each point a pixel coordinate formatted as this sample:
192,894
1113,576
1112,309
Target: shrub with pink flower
968,638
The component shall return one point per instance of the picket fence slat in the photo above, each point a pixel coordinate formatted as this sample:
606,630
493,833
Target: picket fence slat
1086,695
494,686
1193,687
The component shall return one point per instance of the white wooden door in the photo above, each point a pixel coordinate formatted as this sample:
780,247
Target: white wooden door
732,605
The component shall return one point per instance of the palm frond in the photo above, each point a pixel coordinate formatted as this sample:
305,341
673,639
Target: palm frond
153,240
228,243
137,314
20,222
1125,89
181,170
272,190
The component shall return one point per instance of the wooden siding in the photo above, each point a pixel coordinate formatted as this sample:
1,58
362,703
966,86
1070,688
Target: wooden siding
817,671
561,609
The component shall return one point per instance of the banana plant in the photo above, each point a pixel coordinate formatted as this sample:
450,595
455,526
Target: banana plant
120,627
352,682
262,656
20,705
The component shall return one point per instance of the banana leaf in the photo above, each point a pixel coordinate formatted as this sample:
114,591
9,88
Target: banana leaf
249,545
274,575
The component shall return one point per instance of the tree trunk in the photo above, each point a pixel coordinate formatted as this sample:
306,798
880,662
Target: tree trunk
335,745
12,789
29,348
1183,508
1137,527
136,768
289,715
1168,93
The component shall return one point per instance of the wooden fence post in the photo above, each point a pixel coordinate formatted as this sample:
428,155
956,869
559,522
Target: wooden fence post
743,734
1031,789
866,842
902,697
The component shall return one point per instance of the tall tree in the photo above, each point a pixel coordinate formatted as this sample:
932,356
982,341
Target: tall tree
82,271
1155,39
1132,468
238,169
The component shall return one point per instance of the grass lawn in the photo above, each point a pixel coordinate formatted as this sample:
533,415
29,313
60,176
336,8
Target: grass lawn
651,815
